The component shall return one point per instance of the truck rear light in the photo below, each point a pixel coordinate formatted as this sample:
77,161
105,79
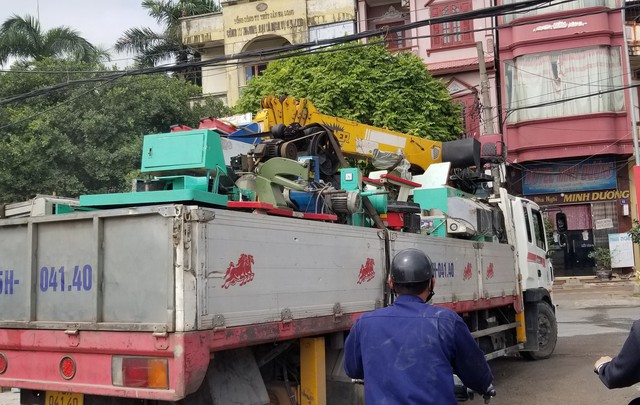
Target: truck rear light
3,363
67,368
140,372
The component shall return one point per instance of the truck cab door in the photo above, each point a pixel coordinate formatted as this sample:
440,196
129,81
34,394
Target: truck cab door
540,273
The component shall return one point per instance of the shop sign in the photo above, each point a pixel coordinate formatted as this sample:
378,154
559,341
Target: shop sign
569,176
621,247
589,196
245,21
558,25
605,223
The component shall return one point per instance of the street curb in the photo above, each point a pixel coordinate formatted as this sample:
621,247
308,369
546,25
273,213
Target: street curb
591,281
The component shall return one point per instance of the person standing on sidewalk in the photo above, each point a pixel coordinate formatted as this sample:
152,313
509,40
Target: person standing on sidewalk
408,352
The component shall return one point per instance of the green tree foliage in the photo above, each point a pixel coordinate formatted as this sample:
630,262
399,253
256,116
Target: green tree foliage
86,138
634,232
24,39
153,47
367,84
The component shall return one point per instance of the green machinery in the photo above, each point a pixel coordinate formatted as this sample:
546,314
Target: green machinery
456,213
274,175
351,181
182,166
189,167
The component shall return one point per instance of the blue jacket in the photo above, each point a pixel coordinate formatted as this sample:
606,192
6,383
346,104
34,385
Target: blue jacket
407,353
624,369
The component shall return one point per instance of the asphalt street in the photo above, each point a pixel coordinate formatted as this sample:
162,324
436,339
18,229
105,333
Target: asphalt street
593,320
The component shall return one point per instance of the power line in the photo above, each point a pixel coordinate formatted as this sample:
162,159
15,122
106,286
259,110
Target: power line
227,60
57,105
486,12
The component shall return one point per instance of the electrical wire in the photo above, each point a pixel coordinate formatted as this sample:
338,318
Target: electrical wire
58,105
385,31
60,86
398,28
481,13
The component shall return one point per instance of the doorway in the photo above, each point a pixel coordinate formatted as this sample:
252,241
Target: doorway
572,257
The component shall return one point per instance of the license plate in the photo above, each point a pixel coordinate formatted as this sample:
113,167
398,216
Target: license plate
63,398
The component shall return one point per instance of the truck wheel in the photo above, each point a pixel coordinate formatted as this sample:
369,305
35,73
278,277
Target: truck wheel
547,333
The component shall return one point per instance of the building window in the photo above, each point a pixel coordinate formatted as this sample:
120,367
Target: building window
254,70
394,40
537,84
561,6
452,33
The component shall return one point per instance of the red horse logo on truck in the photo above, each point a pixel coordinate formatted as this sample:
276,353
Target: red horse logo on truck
467,272
490,271
367,273
239,273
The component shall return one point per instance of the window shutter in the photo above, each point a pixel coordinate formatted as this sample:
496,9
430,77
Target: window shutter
466,25
436,29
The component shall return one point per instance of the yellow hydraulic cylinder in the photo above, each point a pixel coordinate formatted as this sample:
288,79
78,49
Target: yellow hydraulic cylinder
313,379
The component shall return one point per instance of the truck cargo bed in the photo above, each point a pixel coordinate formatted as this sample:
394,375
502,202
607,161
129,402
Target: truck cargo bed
184,268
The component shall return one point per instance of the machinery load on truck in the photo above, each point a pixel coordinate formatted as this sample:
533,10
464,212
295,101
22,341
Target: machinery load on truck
240,259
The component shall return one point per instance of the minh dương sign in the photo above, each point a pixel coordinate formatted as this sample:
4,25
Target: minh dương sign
580,197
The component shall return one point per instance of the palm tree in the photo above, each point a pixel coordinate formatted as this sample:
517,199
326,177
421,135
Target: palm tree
153,47
24,39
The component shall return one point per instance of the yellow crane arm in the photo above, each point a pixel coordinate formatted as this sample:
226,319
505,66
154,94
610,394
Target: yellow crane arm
357,140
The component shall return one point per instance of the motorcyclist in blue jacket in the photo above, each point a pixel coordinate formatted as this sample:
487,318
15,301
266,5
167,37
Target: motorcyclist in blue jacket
408,352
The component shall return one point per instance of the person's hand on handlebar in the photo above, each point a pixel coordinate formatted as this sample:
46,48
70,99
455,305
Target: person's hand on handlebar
491,392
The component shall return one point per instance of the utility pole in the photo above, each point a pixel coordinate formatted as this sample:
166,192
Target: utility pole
632,106
634,132
487,122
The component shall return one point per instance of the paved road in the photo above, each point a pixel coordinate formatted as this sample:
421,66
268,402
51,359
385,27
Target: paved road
9,398
591,322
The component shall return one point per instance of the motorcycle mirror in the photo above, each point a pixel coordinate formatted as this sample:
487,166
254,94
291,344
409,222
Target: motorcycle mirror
561,222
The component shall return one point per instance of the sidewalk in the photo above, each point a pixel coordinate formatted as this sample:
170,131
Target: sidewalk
593,281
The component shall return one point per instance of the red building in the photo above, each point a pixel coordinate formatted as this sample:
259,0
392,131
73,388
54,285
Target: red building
567,124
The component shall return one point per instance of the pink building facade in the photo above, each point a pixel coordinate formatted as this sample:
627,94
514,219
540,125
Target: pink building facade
566,123
450,51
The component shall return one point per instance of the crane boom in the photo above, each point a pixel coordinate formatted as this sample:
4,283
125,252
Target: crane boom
356,139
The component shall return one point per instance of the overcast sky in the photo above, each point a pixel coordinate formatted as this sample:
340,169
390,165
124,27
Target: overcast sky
101,22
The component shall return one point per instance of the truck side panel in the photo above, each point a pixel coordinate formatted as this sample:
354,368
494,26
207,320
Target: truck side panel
470,275
101,270
267,269
15,283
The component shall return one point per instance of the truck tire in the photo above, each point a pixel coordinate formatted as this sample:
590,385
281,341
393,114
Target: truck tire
547,333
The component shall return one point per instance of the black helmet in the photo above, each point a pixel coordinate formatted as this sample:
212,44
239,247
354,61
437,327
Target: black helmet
411,266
